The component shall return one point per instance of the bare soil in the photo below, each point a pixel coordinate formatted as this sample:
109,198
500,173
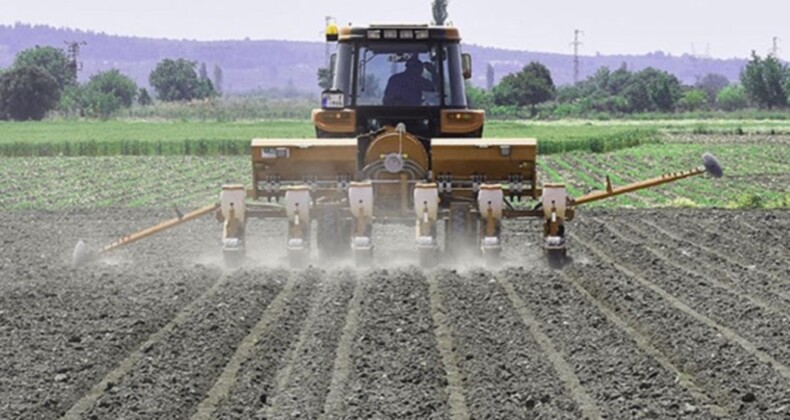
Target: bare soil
661,314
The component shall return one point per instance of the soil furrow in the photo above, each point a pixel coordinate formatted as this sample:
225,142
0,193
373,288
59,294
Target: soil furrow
97,392
761,234
727,257
589,407
505,373
341,368
230,374
771,244
174,373
302,385
673,374
754,348
396,369
741,377
767,297
247,386
444,339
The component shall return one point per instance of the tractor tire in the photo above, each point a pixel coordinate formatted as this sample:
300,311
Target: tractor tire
334,234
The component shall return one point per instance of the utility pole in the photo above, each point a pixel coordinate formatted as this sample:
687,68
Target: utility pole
73,53
775,48
576,44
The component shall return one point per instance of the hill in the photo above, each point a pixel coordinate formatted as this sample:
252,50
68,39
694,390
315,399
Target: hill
250,65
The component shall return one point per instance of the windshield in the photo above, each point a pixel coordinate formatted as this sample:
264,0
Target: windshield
408,75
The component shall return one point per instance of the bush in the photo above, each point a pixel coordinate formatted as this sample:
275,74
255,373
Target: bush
732,98
694,100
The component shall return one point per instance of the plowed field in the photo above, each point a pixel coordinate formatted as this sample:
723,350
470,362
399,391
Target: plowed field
661,314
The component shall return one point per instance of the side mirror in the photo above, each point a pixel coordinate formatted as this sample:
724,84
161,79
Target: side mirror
466,65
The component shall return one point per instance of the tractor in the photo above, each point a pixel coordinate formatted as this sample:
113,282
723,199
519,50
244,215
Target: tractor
397,142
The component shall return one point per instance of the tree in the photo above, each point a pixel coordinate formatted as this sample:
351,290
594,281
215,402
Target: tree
205,89
479,98
144,98
637,96
52,60
72,101
663,89
712,84
218,78
324,78
176,80
529,87
763,81
27,93
203,72
114,83
107,92
439,8
732,98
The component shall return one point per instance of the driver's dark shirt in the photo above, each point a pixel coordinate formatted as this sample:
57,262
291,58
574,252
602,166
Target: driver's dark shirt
406,88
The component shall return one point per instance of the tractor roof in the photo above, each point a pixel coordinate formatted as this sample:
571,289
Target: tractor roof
399,32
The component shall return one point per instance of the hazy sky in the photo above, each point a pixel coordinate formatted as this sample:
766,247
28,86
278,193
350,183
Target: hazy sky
724,28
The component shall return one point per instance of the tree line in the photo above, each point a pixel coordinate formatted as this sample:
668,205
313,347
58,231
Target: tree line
43,79
764,83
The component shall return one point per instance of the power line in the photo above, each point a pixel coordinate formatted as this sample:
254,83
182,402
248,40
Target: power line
576,45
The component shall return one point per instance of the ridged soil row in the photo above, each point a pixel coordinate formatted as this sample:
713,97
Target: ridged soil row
249,383
446,343
626,376
764,328
175,373
711,269
729,243
62,330
504,371
774,234
288,373
739,376
396,369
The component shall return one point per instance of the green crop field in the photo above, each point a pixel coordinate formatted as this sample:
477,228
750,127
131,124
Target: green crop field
201,138
80,164
758,170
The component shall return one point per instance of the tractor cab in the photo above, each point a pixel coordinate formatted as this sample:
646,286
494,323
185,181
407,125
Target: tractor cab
384,75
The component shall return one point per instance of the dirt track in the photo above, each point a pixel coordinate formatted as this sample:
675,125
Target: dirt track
662,314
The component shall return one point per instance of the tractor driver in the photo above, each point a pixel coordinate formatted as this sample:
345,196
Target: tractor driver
406,88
